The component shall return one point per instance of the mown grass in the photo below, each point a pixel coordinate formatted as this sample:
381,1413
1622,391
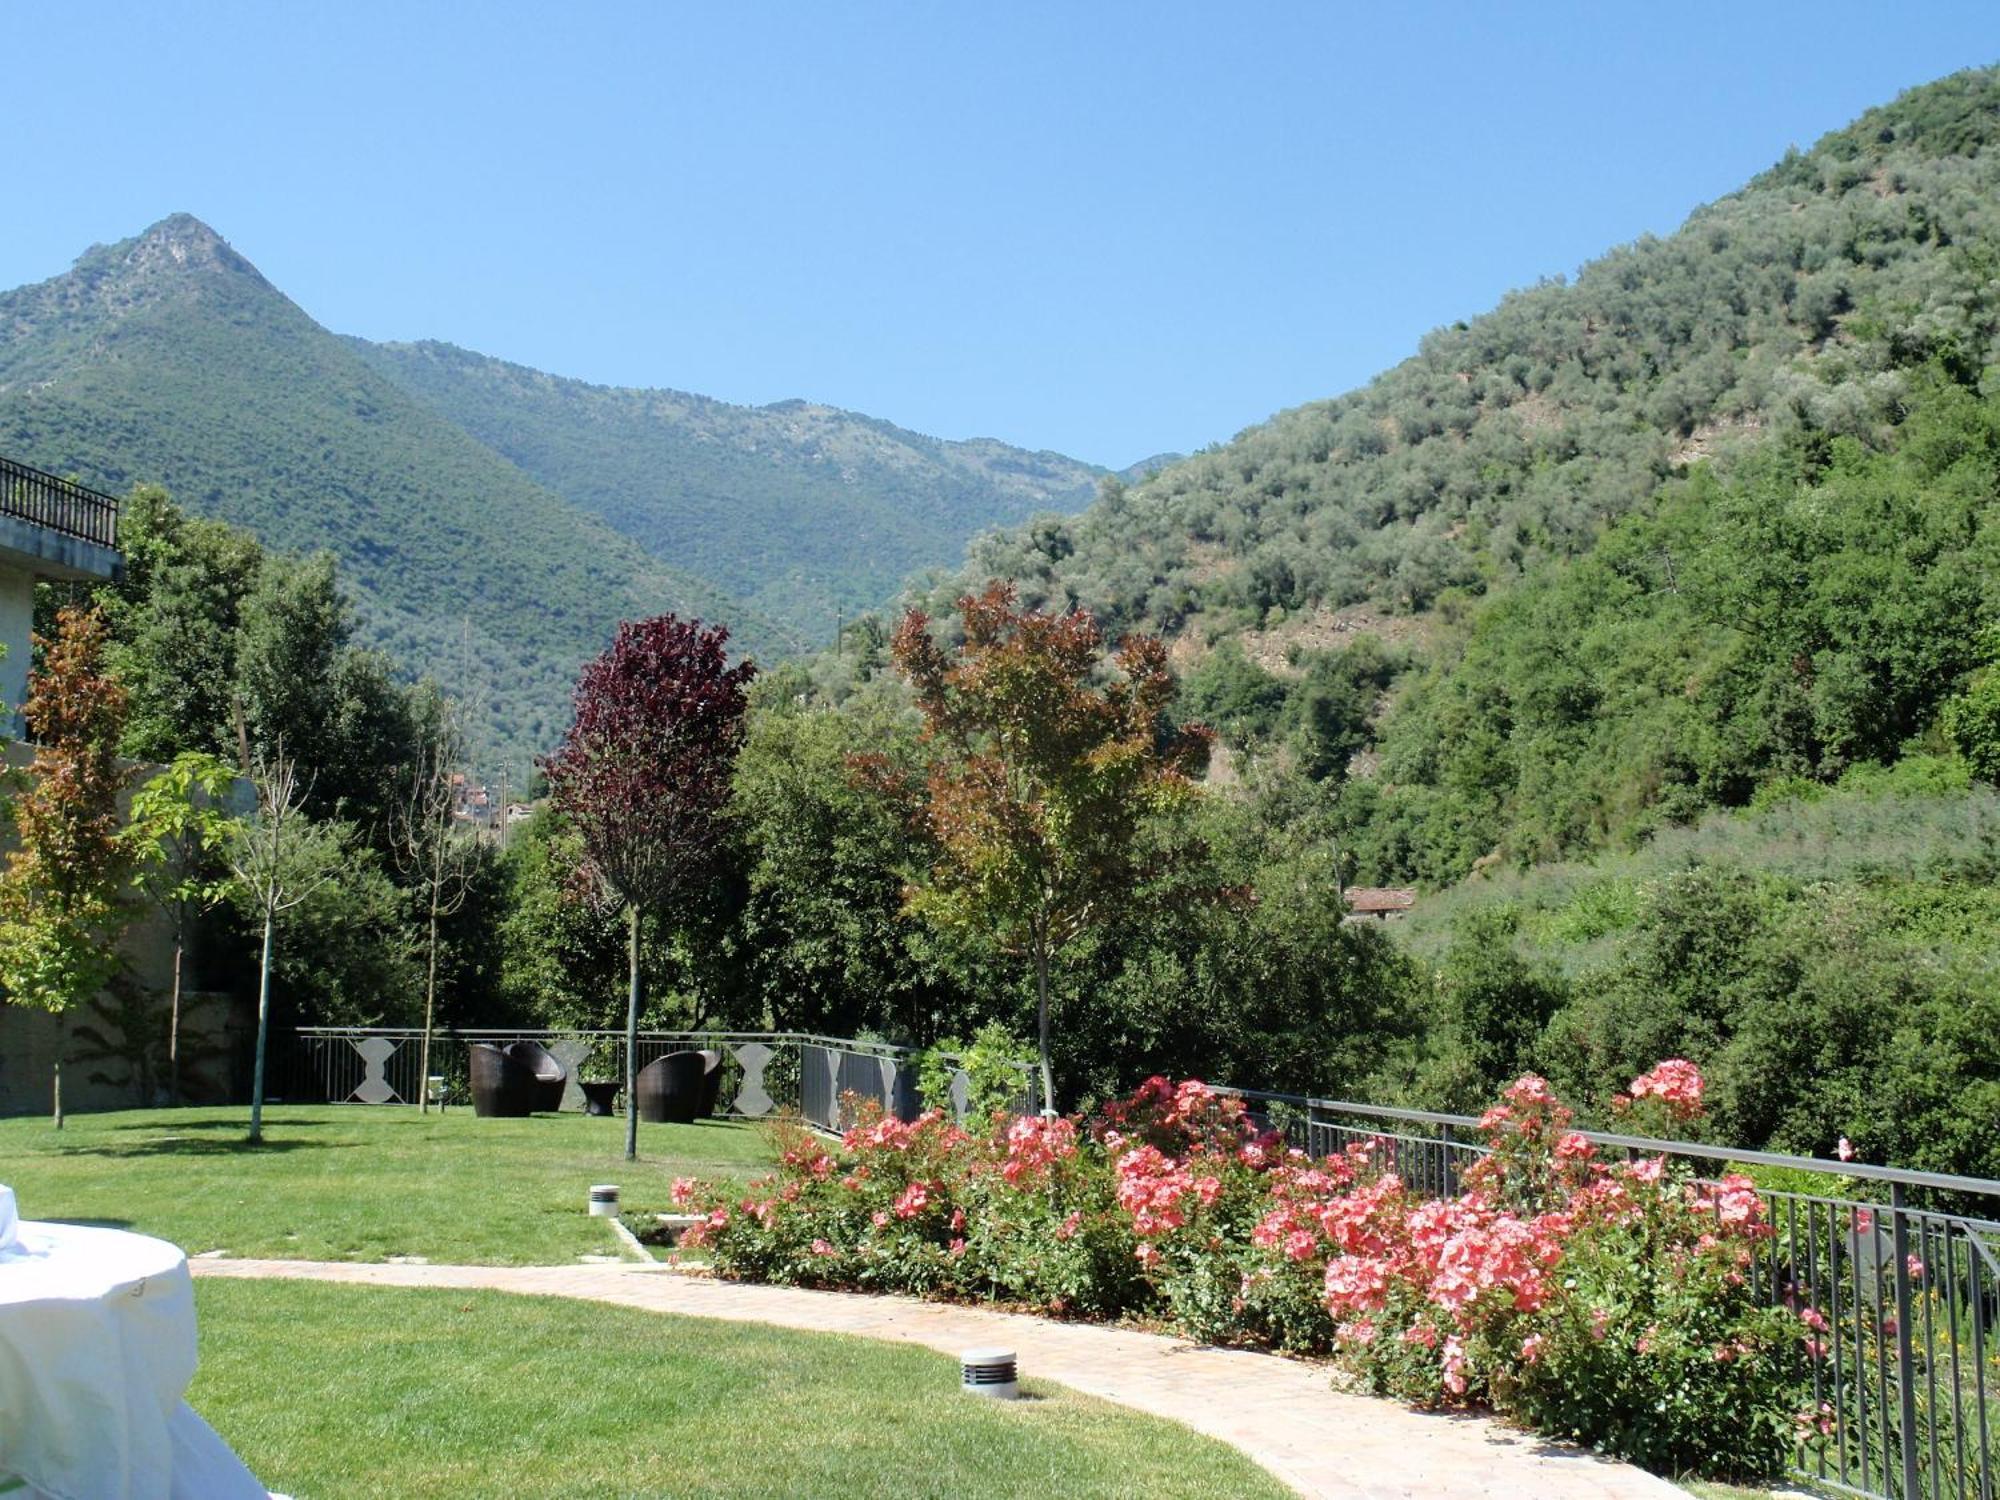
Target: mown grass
359,1182
331,1391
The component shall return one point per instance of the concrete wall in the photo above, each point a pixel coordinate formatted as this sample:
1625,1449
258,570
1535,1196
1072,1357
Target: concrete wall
17,619
215,1028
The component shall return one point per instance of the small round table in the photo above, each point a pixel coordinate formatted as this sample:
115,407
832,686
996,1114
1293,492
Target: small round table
598,1094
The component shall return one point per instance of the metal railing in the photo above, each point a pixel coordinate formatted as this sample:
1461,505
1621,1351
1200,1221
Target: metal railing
1906,1377
58,504
820,1079
834,1074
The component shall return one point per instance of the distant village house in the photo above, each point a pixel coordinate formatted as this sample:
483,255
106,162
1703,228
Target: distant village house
1374,903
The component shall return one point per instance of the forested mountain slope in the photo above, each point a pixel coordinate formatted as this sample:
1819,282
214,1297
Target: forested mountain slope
167,358
1519,435
799,509
1828,955
1719,513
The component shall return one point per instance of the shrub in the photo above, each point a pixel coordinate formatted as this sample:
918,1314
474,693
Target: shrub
1607,1302
990,1062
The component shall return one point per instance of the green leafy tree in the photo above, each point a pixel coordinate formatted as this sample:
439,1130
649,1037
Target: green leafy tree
561,957
1972,719
822,932
60,912
1230,692
176,833
1040,774
350,955
175,619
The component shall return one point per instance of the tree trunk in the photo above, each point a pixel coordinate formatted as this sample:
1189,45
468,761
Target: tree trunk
430,1012
632,1037
62,1046
263,1035
174,1028
1042,1012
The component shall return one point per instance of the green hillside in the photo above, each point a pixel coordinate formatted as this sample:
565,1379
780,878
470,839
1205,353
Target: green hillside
1516,436
168,358
1828,957
1813,597
798,509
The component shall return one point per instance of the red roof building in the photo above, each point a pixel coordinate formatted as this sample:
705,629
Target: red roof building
1378,903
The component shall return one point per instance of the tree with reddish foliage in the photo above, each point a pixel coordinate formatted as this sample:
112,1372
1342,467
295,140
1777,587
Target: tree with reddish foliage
643,775
60,893
1044,768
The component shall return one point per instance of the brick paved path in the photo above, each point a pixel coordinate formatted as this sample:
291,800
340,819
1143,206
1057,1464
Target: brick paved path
1280,1412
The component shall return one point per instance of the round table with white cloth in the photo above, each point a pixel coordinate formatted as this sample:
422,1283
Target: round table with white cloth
97,1346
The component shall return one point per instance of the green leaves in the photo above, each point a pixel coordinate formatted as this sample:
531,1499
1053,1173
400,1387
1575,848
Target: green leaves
176,832
59,907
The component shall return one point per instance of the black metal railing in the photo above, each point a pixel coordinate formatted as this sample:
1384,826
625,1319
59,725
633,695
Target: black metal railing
1901,1267
58,504
819,1079
835,1074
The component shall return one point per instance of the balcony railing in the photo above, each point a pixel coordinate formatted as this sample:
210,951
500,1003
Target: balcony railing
58,504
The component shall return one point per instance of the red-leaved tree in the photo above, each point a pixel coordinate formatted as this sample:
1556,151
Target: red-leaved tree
1043,768
643,775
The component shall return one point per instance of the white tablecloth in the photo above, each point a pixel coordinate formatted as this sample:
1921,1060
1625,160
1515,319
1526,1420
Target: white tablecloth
97,1345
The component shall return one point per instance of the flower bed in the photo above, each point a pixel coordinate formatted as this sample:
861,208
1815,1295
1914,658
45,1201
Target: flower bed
1605,1301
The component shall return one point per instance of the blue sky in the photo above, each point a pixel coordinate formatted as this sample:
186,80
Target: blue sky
1104,229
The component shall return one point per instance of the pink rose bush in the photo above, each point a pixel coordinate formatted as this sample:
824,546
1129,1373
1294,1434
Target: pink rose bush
1593,1297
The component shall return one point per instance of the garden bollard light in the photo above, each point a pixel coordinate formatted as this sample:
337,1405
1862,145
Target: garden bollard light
989,1372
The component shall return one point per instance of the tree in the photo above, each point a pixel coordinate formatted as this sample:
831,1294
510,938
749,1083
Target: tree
435,856
296,626
175,619
60,913
643,775
822,935
1972,719
273,857
175,836
1042,773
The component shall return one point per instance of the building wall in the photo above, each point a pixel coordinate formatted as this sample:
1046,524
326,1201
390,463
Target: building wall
216,1028
216,1031
17,619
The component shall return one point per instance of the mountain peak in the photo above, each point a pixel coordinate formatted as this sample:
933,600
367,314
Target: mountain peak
178,260
179,242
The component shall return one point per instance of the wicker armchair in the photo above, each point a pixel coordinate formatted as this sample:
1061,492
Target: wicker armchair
711,1083
551,1077
670,1088
502,1086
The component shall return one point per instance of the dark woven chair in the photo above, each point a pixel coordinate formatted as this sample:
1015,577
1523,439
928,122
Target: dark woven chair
670,1088
550,1076
711,1083
502,1086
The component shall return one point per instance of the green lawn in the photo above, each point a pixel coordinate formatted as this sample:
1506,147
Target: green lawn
330,1391
360,1182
